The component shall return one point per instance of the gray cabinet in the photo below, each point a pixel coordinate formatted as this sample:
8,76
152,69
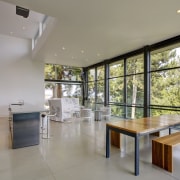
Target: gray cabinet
24,127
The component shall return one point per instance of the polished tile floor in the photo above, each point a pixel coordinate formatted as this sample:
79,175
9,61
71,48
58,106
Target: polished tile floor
76,150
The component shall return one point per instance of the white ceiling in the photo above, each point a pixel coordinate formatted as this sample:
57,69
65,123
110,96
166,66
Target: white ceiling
92,30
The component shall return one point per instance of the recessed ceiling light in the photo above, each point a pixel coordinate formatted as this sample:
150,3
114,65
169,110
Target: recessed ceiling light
82,51
178,11
63,48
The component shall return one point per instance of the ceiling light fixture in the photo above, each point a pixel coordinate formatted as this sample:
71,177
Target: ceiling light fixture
178,11
82,51
63,48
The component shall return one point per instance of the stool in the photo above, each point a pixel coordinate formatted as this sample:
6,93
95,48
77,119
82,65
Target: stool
47,126
86,114
98,115
106,114
76,114
42,123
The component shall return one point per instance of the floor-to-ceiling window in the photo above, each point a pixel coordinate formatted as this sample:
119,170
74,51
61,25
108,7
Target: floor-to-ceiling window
95,85
165,81
126,87
132,84
144,82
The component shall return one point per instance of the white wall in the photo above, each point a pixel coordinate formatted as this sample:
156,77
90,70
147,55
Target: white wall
21,78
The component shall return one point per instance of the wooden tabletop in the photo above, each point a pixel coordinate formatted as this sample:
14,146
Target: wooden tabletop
145,125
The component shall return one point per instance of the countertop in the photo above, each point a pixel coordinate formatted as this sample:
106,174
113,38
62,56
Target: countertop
15,109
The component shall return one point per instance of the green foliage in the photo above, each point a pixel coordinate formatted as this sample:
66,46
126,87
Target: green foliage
117,69
165,82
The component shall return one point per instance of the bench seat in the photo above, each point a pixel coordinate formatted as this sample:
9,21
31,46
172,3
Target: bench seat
162,150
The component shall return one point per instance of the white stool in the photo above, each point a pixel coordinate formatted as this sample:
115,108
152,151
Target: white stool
42,128
76,114
86,114
98,115
106,113
47,126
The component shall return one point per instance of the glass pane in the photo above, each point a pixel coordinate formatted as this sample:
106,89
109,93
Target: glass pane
100,73
91,91
135,89
116,69
60,72
100,91
165,59
69,73
135,65
158,112
71,90
91,75
116,90
117,111
49,93
49,71
165,87
135,112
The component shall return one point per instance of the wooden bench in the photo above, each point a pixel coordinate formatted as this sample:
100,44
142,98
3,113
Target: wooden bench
162,150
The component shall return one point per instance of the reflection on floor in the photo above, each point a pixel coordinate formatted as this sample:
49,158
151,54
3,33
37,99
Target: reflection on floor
76,150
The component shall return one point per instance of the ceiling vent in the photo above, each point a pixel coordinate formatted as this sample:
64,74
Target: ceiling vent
22,11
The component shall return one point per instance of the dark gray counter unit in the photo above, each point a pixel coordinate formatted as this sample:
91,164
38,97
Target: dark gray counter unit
24,126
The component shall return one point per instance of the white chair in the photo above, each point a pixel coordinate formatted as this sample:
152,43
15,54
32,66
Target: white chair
106,112
86,114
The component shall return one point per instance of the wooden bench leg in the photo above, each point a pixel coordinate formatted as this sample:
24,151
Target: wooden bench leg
156,134
158,154
115,139
168,164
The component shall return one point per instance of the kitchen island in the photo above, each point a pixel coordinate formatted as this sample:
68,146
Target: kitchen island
24,124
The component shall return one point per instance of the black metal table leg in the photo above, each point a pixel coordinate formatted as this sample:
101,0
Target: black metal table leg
136,160
170,130
107,142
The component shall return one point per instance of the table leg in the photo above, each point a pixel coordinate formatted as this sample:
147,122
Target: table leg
169,130
107,142
136,155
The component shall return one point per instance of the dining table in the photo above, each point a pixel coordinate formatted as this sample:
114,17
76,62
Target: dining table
140,127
